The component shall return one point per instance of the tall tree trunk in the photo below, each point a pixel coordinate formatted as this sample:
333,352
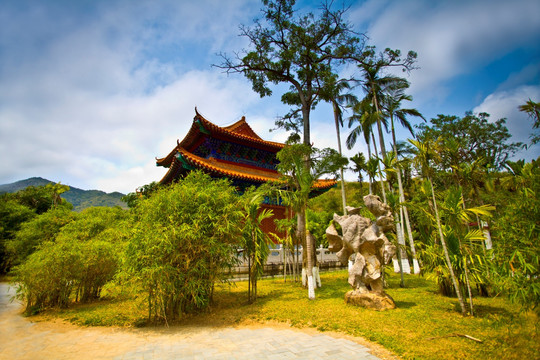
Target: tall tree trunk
369,176
249,279
404,257
399,234
416,267
306,107
465,260
308,250
380,171
343,195
284,261
445,249
466,268
379,126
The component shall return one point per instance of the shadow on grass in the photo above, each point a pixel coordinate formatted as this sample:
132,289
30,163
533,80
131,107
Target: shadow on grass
332,292
486,311
411,281
405,304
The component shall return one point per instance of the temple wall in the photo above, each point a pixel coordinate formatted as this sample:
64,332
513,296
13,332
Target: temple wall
268,225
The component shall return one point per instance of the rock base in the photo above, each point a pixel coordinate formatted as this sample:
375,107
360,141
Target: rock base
370,300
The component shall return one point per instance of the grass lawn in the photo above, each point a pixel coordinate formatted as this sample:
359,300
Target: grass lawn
420,328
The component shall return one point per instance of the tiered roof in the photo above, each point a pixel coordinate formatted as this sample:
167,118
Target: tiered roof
182,158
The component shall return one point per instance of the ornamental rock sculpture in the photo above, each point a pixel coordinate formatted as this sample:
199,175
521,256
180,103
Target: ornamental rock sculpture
366,240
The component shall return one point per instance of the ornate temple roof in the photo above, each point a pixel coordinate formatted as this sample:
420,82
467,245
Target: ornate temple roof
239,132
182,158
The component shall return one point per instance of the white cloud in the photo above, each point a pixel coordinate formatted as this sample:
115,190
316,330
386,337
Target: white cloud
451,37
131,178
82,102
99,137
504,104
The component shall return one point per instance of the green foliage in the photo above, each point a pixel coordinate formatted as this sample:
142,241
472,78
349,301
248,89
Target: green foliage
83,257
42,198
255,241
23,205
300,179
359,165
464,243
302,51
533,110
330,201
466,139
181,240
36,231
143,192
12,216
317,222
517,249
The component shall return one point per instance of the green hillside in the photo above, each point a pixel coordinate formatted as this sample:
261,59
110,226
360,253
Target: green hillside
81,199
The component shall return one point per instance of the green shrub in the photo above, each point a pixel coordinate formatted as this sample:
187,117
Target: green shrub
12,216
84,256
36,231
47,277
181,241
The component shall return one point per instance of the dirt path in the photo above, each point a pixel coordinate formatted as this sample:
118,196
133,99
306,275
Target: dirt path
23,339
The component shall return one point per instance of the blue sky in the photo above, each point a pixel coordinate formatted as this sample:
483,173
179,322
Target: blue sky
92,91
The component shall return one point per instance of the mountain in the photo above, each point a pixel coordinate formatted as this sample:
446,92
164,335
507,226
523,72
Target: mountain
23,184
81,199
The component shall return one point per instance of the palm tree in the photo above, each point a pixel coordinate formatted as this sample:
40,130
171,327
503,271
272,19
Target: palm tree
533,110
374,86
338,100
395,94
458,217
256,241
366,117
424,157
359,161
372,168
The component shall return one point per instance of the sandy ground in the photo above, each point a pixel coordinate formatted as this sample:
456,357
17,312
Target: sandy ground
21,338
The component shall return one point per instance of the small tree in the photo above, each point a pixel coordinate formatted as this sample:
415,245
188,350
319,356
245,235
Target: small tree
300,182
256,241
142,192
424,156
457,218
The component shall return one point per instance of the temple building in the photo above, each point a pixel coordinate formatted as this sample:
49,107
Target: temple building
235,152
